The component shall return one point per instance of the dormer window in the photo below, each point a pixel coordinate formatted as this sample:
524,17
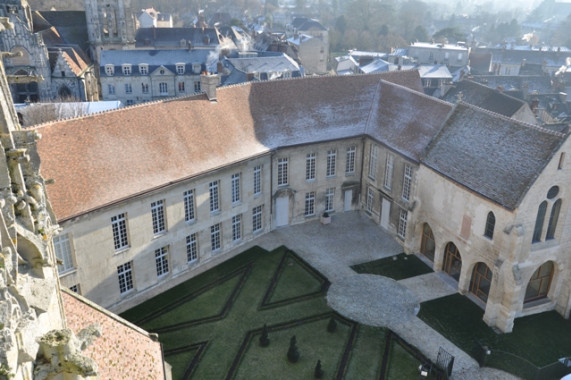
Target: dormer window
162,71
126,69
143,69
180,68
109,70
196,68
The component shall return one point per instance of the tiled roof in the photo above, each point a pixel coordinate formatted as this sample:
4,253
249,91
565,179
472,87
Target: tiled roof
484,97
102,159
123,351
494,156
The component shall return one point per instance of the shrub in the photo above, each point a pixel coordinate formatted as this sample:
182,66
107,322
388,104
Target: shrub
292,352
332,325
264,340
318,373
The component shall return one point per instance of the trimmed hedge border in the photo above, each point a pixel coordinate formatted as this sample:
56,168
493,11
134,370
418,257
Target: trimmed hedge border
266,304
201,346
298,322
227,306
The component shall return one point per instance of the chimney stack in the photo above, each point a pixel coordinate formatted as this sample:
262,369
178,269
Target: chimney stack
208,83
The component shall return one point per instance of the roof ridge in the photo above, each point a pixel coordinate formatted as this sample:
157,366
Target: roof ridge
528,125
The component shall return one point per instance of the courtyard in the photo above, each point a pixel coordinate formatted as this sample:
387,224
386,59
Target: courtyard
295,280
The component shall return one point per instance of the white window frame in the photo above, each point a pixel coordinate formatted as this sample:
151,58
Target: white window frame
331,163
370,199
407,182
197,87
373,162
63,251
214,193
180,68
196,68
162,261
309,209
109,70
237,227
125,277
403,219
158,217
215,242
282,171
128,88
181,86
257,218
144,69
163,88
258,180
126,68
192,248
329,199
350,161
310,166
119,228
235,188
145,88
389,168
189,206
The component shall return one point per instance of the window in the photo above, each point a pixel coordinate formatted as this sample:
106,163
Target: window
163,88
196,68
310,166
214,200
350,161
158,215
401,232
128,88
282,171
237,227
309,204
129,102
235,188
189,205
144,69
329,197
145,88
407,179
553,206
119,227
75,288
257,218
125,276
126,69
257,180
215,237
373,162
109,70
180,86
62,247
561,161
539,222
162,261
191,248
553,218
111,89
389,171
427,244
331,157
452,261
490,225
539,283
196,86
370,199
180,68
481,281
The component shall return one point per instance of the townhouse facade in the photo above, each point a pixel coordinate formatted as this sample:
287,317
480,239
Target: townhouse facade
222,172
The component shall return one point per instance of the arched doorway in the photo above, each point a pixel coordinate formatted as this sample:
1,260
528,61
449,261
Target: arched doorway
539,283
64,92
452,261
481,281
427,244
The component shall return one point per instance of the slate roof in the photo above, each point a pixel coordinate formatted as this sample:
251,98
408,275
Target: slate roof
533,83
170,38
304,23
494,156
279,63
434,71
70,24
154,58
484,97
102,159
533,57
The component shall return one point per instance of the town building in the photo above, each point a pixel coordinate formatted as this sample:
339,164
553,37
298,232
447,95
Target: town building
151,195
151,18
429,53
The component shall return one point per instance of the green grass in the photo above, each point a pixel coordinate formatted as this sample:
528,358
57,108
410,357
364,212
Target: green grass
539,339
396,267
191,315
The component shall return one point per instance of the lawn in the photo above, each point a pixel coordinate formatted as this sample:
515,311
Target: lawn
210,325
535,342
396,267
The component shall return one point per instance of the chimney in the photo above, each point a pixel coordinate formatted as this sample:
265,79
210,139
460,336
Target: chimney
208,83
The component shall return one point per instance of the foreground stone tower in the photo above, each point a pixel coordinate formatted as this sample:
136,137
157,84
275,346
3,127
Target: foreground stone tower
110,25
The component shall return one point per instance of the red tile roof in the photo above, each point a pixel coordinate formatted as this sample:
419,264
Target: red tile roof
123,351
102,159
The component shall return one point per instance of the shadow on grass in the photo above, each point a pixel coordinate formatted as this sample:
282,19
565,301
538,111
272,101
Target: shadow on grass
530,350
396,267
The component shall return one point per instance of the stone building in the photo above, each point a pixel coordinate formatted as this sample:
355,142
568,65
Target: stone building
149,196
44,329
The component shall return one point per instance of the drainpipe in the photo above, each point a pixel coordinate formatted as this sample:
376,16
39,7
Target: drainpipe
272,155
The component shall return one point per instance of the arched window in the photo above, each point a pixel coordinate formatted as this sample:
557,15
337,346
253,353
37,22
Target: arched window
427,243
64,92
553,220
490,225
539,283
539,222
481,281
452,261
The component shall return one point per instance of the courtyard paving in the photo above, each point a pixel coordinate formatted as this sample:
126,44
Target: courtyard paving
351,239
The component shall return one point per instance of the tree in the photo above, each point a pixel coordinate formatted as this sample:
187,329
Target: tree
318,373
332,325
264,340
292,352
420,34
451,35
